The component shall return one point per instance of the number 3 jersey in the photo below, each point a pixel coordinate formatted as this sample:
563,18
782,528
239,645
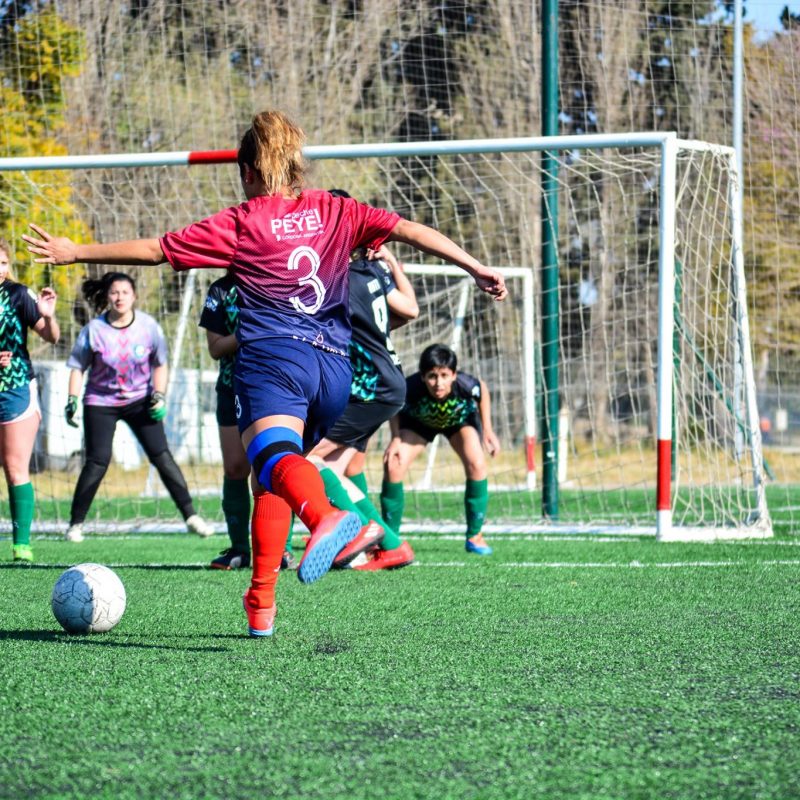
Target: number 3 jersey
289,258
376,367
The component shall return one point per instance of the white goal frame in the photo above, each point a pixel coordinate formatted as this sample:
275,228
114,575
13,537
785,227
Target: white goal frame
669,146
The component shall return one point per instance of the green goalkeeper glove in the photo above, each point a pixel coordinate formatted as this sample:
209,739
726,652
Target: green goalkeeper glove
70,410
157,408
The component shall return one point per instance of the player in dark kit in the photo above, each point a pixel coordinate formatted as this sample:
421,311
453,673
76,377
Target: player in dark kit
381,297
439,399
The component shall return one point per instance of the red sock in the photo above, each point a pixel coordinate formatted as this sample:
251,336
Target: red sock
298,482
269,528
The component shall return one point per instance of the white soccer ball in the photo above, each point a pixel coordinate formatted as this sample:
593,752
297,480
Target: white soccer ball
88,598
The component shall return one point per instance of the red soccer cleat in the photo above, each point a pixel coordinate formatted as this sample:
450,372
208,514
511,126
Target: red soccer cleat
368,537
337,529
260,621
388,559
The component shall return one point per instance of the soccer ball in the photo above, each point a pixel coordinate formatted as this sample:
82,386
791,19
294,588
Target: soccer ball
88,598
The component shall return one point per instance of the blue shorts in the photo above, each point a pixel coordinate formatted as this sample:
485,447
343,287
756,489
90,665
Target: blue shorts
20,403
286,376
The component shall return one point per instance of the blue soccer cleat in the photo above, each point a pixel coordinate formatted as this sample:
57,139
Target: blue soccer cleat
260,621
336,530
477,545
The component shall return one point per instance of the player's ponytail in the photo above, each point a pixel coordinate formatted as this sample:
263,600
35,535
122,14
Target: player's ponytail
273,147
95,290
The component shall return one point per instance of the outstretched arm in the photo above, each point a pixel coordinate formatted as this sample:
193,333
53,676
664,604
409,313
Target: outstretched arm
437,244
61,250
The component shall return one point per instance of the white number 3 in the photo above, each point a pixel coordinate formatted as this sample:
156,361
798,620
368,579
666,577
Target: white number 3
311,279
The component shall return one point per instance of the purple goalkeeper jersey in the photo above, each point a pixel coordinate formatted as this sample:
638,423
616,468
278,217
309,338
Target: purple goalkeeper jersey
120,361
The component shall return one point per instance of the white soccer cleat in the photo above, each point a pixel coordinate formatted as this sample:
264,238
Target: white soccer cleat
74,533
196,524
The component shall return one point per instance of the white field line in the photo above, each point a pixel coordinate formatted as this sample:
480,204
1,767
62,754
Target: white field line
508,565
620,564
507,537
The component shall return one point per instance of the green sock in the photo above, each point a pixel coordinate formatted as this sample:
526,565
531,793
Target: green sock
21,499
236,508
393,503
338,495
360,480
390,539
476,501
336,489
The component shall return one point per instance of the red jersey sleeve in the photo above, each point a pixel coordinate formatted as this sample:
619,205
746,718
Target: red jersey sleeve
209,243
371,226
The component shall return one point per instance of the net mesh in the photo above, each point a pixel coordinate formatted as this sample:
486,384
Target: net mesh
490,203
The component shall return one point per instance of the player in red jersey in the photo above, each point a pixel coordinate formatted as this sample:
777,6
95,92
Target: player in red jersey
288,249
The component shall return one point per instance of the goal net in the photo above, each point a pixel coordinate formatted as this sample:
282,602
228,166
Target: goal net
656,401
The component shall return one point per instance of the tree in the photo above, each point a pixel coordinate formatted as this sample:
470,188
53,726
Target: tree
40,50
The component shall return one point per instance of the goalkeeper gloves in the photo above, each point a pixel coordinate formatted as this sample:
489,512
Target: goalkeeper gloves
157,408
71,409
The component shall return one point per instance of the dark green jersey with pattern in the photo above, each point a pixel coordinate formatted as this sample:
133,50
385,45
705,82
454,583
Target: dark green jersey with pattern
18,312
455,409
376,368
221,315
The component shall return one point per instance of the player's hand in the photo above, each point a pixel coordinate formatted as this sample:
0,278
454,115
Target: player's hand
384,254
491,443
46,302
157,407
5,358
70,410
50,249
392,452
491,282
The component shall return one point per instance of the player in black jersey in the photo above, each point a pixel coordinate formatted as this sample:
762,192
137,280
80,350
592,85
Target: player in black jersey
20,310
220,318
381,297
439,399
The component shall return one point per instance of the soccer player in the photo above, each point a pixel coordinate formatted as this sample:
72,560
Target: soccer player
20,310
124,352
381,298
439,399
288,249
220,318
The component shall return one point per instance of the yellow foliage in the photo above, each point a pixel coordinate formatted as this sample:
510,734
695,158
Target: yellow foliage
46,50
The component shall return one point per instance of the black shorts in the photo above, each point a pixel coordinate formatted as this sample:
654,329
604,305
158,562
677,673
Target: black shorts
429,434
226,408
359,421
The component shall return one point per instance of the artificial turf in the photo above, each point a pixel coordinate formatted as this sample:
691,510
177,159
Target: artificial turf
559,667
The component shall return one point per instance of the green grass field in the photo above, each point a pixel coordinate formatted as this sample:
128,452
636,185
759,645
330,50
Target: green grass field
560,667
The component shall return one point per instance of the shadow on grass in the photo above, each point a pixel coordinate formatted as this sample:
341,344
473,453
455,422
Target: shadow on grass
96,640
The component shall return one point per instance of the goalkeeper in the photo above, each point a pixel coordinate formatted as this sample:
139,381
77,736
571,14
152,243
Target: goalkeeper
439,399
125,354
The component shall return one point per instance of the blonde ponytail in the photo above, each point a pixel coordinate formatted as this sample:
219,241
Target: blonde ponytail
273,147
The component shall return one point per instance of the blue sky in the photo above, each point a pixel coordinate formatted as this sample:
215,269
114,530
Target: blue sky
764,14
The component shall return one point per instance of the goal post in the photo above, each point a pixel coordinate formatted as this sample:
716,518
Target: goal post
656,375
